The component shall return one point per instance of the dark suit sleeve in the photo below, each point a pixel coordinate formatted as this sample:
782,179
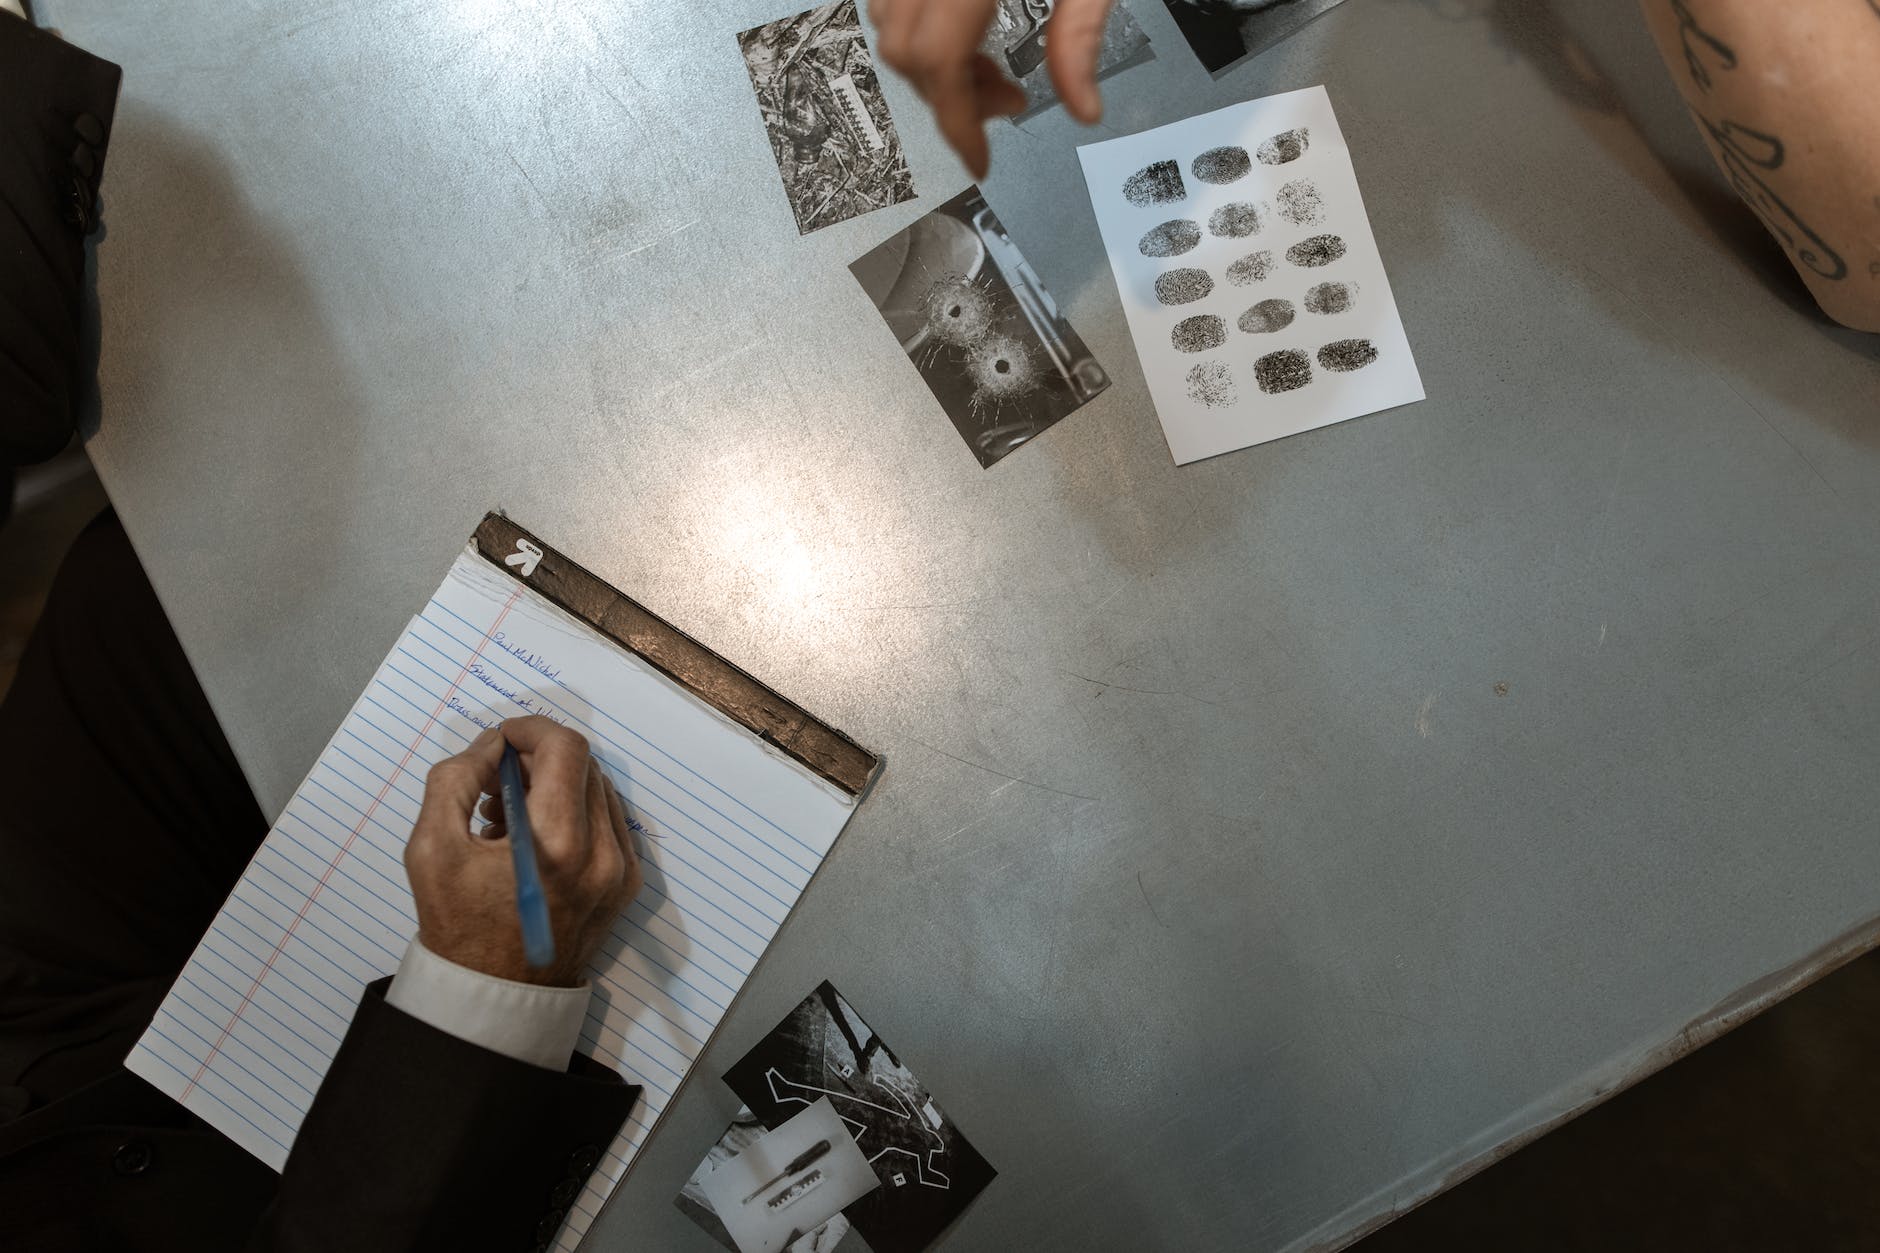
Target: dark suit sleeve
418,1140
56,103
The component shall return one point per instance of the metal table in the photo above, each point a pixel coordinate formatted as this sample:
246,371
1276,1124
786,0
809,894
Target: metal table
1263,843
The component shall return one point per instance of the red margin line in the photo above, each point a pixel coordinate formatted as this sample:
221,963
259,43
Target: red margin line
267,967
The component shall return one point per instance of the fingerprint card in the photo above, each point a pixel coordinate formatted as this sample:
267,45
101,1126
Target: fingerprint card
1247,270
973,317
834,143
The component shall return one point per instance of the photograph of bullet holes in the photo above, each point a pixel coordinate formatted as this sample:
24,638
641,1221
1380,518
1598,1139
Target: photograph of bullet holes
975,320
1297,204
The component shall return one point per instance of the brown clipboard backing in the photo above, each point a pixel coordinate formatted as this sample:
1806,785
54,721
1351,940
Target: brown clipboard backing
732,692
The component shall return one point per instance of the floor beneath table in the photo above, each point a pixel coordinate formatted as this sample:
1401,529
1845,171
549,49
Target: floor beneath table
1768,1139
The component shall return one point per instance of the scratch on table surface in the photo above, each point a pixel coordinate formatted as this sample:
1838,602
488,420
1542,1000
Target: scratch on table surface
1112,595
1602,638
304,22
1141,691
1151,904
1811,569
729,354
1781,435
1840,660
661,238
938,604
960,829
527,178
1042,787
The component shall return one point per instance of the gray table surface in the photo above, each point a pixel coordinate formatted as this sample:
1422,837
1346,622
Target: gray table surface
1262,841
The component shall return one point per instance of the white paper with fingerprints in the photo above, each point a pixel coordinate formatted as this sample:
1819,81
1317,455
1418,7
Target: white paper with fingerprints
1249,274
729,830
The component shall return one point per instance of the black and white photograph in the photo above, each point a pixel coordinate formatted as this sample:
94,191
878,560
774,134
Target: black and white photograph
834,142
978,324
1224,33
823,1049
1015,41
788,1182
693,1202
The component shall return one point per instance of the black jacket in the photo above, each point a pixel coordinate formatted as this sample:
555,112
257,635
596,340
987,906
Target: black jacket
415,1140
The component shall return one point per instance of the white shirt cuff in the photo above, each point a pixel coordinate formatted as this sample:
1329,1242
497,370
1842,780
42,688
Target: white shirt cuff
525,1021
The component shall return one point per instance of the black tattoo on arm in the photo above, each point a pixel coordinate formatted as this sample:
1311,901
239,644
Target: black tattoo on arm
1692,37
1742,152
1746,153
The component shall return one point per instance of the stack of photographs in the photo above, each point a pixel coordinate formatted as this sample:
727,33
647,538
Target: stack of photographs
823,1056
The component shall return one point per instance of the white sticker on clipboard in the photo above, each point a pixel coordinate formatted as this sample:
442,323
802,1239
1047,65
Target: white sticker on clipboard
526,557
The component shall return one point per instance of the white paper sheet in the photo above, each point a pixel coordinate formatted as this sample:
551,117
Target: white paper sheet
1259,312
730,832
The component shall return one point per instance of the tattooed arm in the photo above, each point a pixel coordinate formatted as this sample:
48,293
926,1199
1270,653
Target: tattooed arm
1784,94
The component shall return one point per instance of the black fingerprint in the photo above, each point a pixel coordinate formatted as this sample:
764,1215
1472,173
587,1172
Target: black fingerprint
1198,334
1267,316
1288,146
1330,297
1210,383
1160,183
1180,287
1282,371
1222,165
1251,268
1319,250
1347,354
1300,203
1232,221
1171,239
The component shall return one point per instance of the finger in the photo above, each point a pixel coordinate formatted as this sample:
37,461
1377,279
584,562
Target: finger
893,29
617,812
1070,51
956,108
490,809
945,45
999,96
606,863
555,764
454,785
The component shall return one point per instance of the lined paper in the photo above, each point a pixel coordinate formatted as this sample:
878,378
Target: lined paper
729,832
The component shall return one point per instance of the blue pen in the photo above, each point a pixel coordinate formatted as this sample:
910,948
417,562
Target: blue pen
538,940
